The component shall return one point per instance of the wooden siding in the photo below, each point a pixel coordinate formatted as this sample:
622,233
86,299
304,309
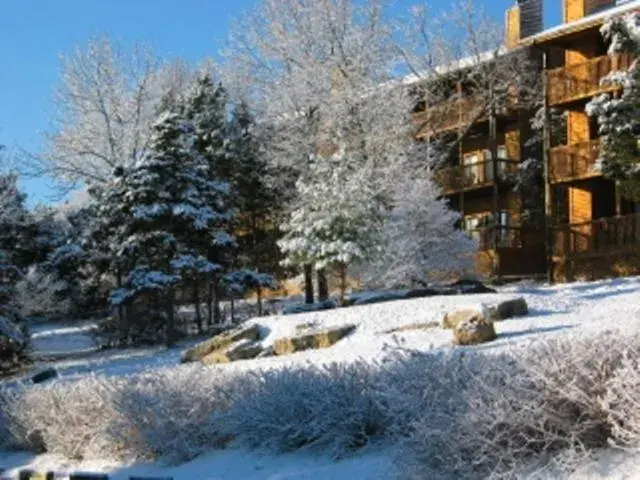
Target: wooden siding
577,127
512,30
574,162
582,80
448,116
573,10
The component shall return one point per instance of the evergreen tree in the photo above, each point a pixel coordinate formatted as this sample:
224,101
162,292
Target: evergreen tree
205,108
336,217
618,115
15,243
177,214
256,200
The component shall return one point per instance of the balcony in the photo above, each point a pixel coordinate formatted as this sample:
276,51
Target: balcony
447,116
573,162
506,237
460,178
604,235
583,80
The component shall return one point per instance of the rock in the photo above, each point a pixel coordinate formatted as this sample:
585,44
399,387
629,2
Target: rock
309,307
452,319
474,331
267,352
221,341
471,286
379,297
241,350
44,375
516,307
414,326
314,340
421,293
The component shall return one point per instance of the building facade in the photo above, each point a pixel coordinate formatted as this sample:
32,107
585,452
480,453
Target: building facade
588,229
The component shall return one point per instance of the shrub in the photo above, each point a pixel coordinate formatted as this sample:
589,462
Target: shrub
333,406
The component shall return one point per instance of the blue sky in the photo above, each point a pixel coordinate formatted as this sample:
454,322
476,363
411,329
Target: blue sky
35,32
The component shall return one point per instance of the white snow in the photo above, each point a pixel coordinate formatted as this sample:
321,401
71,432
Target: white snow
226,465
571,309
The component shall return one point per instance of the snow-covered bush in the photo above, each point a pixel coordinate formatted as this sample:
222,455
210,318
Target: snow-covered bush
73,419
335,407
42,293
490,415
170,414
458,414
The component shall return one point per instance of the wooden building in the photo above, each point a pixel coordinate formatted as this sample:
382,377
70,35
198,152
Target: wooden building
588,229
593,231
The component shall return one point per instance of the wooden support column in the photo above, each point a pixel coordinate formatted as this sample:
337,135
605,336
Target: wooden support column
493,145
546,146
618,199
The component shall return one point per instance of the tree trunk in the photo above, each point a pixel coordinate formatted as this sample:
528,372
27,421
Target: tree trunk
323,286
171,325
217,316
259,299
343,282
196,301
308,284
209,305
122,326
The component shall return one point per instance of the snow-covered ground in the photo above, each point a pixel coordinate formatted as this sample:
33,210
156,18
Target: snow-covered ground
571,309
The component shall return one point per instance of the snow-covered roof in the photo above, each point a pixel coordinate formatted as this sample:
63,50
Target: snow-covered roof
460,64
581,24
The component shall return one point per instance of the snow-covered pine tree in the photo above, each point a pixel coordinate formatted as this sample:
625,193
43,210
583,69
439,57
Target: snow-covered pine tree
337,214
177,215
419,240
618,114
256,199
205,107
15,240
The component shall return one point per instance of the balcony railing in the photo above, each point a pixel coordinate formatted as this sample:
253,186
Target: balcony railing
597,236
449,115
583,79
506,237
571,162
475,175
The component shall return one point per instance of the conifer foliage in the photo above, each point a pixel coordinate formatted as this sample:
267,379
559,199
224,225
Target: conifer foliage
176,214
618,115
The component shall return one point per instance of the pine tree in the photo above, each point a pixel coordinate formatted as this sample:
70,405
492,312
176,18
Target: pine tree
337,215
15,244
205,108
618,115
177,214
257,201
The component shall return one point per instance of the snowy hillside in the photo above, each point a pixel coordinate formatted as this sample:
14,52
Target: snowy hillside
566,311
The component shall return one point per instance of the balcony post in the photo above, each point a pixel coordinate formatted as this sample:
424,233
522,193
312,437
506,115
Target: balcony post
546,147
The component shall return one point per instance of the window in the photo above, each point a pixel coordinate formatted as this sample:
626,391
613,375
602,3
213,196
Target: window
473,168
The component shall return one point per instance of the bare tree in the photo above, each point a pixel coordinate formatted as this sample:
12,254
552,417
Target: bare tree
103,108
458,63
323,80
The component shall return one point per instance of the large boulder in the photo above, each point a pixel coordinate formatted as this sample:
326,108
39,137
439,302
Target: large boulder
516,307
241,350
474,331
312,340
452,319
220,342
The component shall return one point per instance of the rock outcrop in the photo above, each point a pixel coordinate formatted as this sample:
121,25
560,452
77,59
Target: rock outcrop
221,342
312,340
